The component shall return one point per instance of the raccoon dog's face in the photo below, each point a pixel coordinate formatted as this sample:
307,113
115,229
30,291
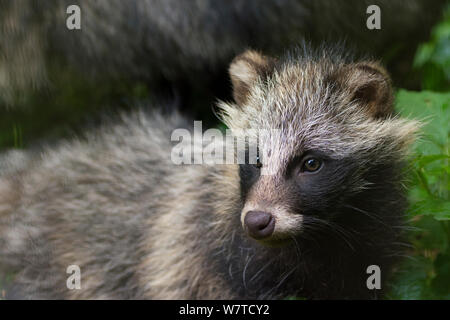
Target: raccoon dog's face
326,126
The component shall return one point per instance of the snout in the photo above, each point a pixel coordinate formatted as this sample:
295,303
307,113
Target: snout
271,225
259,224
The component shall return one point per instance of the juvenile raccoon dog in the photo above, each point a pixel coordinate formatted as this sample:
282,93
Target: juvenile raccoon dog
139,226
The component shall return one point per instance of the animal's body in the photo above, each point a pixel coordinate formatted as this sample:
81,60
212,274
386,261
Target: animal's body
139,226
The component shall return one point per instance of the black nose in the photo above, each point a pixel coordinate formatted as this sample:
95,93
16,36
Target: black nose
259,225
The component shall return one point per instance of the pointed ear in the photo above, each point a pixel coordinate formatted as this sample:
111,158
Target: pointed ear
368,84
245,69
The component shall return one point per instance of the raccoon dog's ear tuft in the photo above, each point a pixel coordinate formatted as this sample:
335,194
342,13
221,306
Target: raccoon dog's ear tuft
368,84
245,69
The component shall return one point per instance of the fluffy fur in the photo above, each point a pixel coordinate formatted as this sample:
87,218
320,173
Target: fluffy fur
141,227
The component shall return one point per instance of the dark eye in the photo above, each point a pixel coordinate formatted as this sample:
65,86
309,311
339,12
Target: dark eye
311,165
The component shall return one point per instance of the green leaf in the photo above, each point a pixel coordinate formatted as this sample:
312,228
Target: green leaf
441,283
411,282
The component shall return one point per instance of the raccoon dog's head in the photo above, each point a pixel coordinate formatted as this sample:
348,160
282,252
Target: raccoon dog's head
329,136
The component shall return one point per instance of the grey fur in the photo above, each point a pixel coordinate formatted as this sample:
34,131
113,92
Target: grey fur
141,227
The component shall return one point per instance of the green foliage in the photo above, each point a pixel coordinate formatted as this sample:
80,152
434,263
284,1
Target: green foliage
426,274
433,58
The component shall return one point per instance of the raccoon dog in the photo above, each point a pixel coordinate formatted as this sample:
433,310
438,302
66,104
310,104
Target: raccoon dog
139,226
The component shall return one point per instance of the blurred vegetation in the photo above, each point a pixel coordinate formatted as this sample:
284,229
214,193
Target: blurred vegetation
432,59
425,274
68,106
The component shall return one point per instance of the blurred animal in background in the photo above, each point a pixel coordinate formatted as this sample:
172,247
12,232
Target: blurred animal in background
185,46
